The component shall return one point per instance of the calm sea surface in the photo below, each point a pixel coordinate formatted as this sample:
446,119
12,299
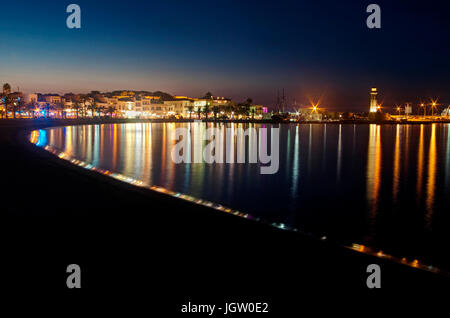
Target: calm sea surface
386,186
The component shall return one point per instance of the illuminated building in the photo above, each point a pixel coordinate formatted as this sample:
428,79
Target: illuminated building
308,115
446,112
220,101
52,98
256,110
373,100
31,98
179,106
408,109
126,104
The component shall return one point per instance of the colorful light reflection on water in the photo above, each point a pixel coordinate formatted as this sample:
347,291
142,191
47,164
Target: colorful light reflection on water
386,187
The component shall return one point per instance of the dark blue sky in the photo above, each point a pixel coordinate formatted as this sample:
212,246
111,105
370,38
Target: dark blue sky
237,49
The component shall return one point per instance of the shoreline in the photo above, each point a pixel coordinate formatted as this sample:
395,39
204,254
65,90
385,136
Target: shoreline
200,227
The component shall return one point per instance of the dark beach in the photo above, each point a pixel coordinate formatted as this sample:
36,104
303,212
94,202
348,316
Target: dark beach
129,240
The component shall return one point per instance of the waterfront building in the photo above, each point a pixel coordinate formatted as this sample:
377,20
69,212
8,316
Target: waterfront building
182,105
68,103
127,94
178,106
143,105
408,109
161,110
150,98
127,106
257,111
31,98
267,115
43,105
52,98
220,101
446,112
200,104
101,105
112,101
309,115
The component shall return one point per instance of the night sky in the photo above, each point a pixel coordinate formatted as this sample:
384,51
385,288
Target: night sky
237,49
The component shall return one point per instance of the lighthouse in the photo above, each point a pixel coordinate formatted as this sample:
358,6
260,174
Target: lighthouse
373,100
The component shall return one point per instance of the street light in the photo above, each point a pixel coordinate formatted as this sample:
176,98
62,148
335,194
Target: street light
424,109
433,105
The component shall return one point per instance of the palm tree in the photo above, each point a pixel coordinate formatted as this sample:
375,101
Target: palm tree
101,110
208,96
47,110
60,108
199,111
110,110
14,109
30,108
5,104
14,105
215,111
93,107
6,89
76,106
243,109
190,109
246,109
19,105
6,97
206,110
82,106
229,109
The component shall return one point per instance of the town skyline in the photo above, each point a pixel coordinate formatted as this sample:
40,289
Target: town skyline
307,101
157,104
302,99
